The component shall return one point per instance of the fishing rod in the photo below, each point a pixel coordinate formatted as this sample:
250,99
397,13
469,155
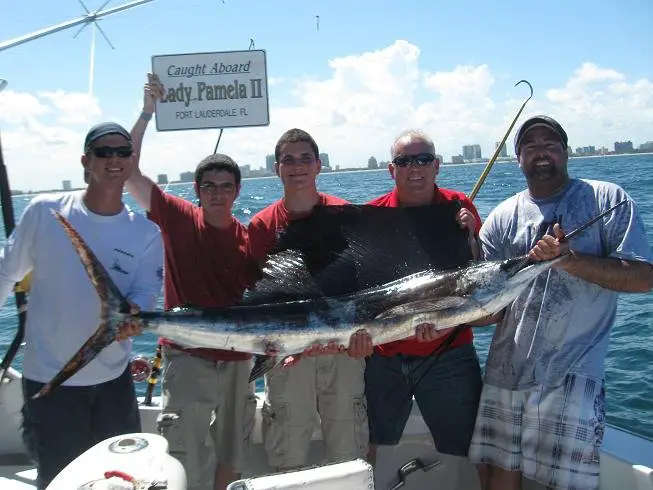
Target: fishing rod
489,165
19,291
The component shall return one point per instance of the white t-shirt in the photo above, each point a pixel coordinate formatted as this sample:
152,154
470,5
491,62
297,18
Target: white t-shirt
63,308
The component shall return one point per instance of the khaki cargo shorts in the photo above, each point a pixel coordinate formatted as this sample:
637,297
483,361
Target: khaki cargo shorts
325,389
215,405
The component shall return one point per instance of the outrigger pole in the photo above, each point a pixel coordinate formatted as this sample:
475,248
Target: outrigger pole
89,18
21,299
488,167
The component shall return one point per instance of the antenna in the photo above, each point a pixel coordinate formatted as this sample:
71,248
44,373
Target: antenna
91,17
94,25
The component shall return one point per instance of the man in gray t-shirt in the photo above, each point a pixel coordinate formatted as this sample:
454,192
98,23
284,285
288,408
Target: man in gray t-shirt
542,410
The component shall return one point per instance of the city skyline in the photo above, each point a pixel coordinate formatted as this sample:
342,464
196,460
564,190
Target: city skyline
248,172
503,154
474,152
268,167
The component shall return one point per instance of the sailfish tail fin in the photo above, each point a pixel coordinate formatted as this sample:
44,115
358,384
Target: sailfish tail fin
113,308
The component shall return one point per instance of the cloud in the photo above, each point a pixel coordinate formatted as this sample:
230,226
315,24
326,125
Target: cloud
17,107
275,81
354,112
600,106
73,108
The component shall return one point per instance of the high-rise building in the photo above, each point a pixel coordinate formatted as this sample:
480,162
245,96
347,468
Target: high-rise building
269,163
623,147
586,150
504,151
472,152
187,176
245,171
162,179
457,159
324,158
66,185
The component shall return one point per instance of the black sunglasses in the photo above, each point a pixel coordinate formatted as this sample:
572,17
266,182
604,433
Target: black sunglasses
109,151
421,159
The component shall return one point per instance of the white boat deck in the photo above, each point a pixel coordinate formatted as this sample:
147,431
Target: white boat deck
627,460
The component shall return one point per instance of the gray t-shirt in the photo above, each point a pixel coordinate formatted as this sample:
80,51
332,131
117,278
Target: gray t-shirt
560,324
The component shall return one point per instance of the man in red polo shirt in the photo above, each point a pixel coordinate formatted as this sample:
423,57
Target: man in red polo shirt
207,264
447,390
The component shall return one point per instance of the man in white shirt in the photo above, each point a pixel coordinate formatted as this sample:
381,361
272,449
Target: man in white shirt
64,310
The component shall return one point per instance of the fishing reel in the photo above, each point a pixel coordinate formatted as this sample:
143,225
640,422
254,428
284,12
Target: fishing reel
141,368
147,368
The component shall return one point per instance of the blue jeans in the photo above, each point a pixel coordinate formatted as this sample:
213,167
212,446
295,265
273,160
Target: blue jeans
71,419
447,394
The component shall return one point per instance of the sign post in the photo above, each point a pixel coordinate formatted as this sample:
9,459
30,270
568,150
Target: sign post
212,90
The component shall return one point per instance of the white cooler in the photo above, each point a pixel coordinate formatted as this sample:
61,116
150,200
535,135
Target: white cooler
351,475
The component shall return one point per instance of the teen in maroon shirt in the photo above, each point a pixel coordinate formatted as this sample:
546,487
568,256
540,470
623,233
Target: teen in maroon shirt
207,264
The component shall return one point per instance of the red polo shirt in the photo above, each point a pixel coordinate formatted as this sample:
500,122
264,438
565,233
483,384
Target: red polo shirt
267,223
411,346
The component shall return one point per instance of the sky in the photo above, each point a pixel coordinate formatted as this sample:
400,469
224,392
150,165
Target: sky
370,71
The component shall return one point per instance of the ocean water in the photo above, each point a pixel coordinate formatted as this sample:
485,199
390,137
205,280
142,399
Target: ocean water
629,365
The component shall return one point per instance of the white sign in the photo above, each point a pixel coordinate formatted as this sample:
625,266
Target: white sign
212,90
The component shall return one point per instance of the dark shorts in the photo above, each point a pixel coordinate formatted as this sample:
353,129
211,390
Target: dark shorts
63,424
447,395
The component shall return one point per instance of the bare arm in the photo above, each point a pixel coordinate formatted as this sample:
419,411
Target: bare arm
624,276
139,185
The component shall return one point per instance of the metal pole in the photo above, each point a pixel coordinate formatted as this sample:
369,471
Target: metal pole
217,143
85,19
21,298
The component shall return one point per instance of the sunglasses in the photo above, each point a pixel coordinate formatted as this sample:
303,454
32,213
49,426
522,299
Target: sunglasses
421,159
109,151
211,188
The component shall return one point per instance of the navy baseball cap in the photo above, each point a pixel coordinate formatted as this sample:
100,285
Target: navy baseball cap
103,129
541,122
